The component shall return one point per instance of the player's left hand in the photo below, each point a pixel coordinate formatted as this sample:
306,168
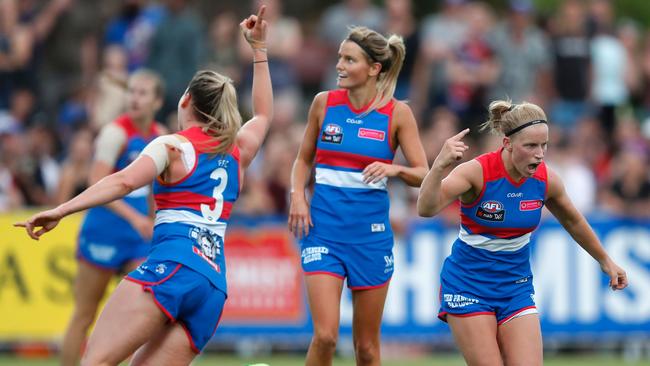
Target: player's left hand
617,276
254,29
377,171
46,220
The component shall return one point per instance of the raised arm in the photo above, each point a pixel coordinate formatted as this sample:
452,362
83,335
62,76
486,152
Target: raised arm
438,189
251,135
299,217
559,204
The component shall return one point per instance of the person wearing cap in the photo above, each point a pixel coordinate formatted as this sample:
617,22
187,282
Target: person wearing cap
486,283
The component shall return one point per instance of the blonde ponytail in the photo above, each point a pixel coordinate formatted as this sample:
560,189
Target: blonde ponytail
215,101
389,53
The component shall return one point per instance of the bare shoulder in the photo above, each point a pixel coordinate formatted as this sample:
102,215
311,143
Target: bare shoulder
402,110
554,182
320,100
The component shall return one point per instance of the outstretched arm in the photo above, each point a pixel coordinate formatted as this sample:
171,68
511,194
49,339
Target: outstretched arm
251,135
409,141
437,193
139,173
574,222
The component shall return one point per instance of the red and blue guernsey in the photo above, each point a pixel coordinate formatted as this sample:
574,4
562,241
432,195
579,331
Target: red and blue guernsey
344,208
192,213
102,228
489,261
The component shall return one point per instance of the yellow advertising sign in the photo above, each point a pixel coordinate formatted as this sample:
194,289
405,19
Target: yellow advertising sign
36,279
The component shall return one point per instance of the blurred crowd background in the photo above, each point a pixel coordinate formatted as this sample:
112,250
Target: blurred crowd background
64,66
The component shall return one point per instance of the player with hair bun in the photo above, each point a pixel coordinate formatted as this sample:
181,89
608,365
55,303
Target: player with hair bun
486,284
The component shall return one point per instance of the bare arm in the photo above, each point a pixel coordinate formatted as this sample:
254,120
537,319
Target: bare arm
438,189
299,217
139,173
409,141
251,135
559,204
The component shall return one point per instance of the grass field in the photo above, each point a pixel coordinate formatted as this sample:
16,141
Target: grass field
447,360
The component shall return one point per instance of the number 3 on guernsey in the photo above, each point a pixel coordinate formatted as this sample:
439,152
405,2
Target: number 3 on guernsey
221,176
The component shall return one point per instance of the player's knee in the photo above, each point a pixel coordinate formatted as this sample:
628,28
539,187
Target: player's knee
366,351
325,341
83,319
96,357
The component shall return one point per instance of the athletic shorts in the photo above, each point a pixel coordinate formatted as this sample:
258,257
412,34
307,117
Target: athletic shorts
459,297
185,296
365,266
110,254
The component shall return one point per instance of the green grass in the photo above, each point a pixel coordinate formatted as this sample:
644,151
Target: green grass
285,360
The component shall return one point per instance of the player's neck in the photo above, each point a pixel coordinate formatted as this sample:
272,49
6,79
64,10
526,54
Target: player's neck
361,97
510,168
143,124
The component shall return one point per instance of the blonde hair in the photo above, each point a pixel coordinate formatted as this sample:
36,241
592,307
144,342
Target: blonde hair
505,116
159,84
389,53
214,100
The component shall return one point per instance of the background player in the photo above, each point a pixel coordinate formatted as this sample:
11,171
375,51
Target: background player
116,237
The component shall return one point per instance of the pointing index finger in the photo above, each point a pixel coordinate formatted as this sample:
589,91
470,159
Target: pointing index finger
460,135
260,14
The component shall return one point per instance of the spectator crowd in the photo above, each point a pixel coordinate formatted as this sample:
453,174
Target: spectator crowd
64,66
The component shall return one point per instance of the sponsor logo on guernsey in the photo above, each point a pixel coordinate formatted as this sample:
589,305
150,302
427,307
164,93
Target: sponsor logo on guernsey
354,121
313,254
198,252
210,243
515,195
377,228
332,133
367,133
458,301
530,205
491,211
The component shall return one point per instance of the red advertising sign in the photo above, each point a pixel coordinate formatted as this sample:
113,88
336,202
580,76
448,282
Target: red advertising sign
264,277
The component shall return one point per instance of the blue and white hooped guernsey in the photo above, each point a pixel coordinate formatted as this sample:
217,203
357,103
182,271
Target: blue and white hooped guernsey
506,212
344,208
495,229
192,214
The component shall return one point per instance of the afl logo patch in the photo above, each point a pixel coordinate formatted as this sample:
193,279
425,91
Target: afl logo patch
332,133
491,211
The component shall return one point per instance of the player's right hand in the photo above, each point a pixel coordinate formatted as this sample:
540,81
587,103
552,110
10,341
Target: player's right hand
452,150
299,217
46,220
